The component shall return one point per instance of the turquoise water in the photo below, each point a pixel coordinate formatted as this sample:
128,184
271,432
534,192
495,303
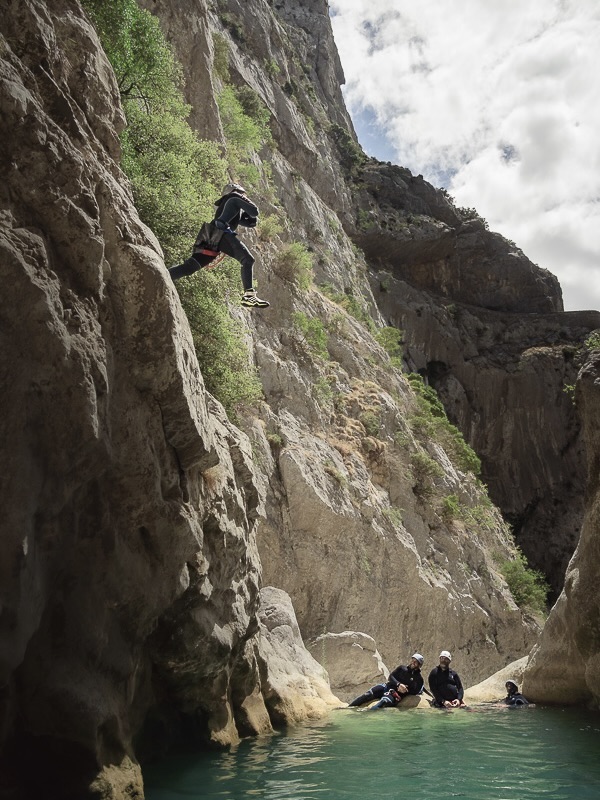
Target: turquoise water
499,754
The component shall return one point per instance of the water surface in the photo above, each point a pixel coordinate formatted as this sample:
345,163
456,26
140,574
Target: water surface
499,754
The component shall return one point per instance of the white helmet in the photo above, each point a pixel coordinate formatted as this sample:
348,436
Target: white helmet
418,657
446,654
232,187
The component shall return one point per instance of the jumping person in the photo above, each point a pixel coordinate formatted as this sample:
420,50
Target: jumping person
233,208
402,681
445,684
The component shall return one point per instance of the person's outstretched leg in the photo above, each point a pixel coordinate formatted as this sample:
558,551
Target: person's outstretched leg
187,268
374,693
385,702
231,246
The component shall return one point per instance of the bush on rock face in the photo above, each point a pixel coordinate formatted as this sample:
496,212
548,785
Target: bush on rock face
175,178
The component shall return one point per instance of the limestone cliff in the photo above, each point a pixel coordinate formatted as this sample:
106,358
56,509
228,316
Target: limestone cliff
138,523
563,668
129,572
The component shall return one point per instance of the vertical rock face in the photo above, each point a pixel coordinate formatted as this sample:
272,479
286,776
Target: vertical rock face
563,668
127,495
503,378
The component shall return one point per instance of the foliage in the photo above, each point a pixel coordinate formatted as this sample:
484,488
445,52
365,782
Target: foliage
391,339
431,421
351,304
425,469
313,332
472,213
143,61
272,67
528,586
365,220
394,515
269,227
451,508
244,132
295,264
592,342
174,176
322,391
351,154
221,56
370,422
219,339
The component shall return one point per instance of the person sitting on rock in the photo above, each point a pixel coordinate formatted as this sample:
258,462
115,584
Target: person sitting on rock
234,208
514,698
445,684
402,681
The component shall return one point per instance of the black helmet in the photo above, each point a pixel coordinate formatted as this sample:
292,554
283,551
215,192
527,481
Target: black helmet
233,187
510,684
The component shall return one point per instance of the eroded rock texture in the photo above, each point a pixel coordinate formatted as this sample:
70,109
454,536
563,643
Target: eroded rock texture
564,667
129,573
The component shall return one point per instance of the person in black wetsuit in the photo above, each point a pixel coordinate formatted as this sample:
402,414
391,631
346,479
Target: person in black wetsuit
445,684
233,208
514,698
402,681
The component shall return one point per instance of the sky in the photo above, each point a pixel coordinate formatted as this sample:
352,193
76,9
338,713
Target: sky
497,101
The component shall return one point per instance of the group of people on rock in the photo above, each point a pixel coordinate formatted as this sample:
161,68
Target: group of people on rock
445,686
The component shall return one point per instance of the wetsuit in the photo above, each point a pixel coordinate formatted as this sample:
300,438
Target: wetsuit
515,699
233,209
445,684
385,692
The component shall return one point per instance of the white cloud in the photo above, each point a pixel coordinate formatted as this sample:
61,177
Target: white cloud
498,102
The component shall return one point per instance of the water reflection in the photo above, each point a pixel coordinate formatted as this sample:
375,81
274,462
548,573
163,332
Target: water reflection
518,754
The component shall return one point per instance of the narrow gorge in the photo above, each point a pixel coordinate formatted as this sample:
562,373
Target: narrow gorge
179,568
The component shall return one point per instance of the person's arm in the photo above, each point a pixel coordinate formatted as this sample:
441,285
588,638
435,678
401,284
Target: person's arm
247,206
247,221
433,685
416,684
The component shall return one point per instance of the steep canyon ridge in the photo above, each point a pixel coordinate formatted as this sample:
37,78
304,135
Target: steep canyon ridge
162,567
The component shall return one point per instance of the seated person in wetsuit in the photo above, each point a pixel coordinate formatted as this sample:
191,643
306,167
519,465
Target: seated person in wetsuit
445,684
514,698
402,681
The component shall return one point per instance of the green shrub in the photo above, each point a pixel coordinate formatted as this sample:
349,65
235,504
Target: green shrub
221,56
592,342
370,422
143,62
431,422
244,133
528,587
295,264
174,178
312,331
322,391
269,227
424,469
351,304
451,507
391,339
219,339
352,156
394,515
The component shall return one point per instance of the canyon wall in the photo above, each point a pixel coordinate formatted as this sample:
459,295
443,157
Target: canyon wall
149,547
563,667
